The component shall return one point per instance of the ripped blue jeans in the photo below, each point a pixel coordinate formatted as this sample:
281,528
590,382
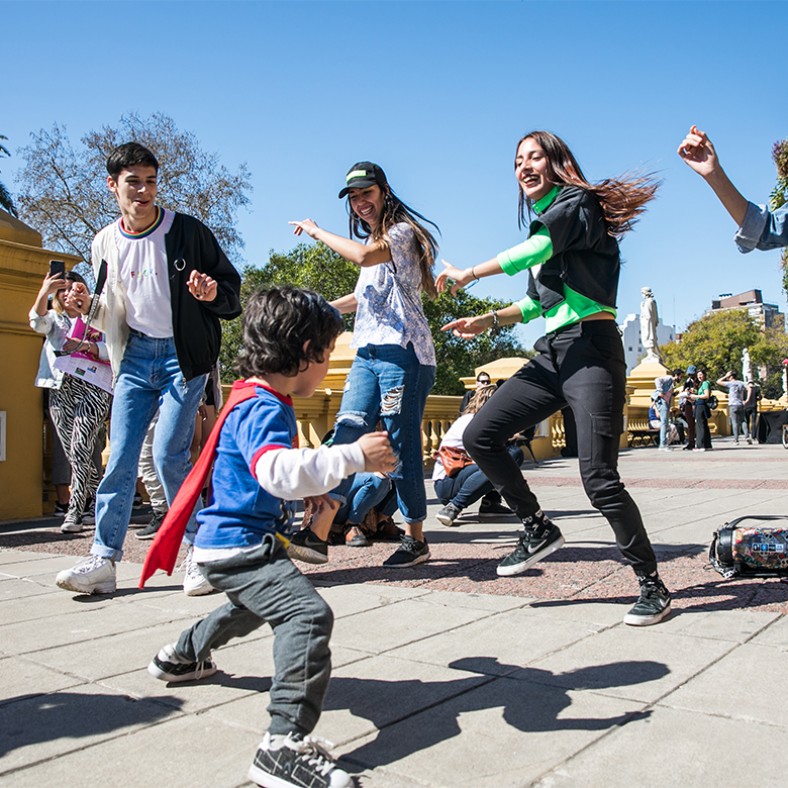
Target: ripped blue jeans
386,383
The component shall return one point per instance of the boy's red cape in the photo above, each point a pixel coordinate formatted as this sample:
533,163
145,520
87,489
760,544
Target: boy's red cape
163,552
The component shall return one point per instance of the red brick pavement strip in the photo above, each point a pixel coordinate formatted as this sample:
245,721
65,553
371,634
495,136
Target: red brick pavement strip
465,561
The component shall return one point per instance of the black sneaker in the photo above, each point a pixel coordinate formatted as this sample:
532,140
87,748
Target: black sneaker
61,509
493,507
540,538
137,502
409,553
168,666
308,548
150,530
448,515
653,603
292,760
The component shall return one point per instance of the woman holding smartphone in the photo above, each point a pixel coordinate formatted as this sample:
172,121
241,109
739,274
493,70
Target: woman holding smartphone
75,368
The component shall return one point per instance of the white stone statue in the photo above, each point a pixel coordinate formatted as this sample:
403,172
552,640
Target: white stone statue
648,324
746,365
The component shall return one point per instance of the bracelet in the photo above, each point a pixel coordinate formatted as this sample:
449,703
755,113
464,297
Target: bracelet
496,323
473,273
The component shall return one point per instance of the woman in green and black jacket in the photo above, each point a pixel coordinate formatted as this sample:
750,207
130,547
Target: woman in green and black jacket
573,261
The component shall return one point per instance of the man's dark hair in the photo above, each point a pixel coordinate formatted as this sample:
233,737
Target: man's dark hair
130,154
678,372
277,324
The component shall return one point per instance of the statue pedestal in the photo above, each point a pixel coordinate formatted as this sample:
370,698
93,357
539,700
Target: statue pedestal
641,379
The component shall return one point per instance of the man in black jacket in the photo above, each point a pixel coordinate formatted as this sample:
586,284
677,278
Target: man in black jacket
168,284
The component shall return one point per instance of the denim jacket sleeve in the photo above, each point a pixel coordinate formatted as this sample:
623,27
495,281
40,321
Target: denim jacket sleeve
762,229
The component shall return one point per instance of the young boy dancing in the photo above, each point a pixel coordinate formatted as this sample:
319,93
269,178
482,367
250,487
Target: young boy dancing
240,547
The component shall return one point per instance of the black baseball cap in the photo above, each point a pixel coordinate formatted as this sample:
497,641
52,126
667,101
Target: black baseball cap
361,175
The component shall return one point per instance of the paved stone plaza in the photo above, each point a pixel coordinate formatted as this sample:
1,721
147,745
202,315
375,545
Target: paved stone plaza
443,674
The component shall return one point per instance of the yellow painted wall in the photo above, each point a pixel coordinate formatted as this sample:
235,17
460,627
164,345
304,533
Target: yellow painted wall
23,264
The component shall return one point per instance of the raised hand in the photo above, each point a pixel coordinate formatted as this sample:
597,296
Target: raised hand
305,226
460,277
698,153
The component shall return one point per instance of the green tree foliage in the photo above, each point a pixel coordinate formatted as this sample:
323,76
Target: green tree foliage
769,352
779,195
64,193
716,341
6,201
318,268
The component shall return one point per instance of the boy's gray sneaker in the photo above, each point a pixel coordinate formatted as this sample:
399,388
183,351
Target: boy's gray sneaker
540,538
448,515
92,575
653,603
292,760
168,665
410,552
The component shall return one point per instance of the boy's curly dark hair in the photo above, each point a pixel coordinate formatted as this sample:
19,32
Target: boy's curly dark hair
277,325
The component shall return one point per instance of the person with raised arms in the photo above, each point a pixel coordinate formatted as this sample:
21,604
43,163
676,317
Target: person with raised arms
394,367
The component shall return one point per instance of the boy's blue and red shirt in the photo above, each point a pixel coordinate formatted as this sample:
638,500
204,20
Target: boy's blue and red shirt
240,511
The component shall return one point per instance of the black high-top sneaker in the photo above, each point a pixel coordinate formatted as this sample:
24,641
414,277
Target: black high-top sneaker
539,538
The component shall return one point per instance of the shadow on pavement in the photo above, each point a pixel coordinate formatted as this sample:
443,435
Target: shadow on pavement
33,719
533,701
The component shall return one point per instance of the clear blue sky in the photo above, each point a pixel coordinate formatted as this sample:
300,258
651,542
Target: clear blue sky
438,93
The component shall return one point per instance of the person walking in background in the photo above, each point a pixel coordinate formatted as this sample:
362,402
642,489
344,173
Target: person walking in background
664,385
81,386
573,263
759,228
751,407
687,407
394,367
701,412
737,394
168,283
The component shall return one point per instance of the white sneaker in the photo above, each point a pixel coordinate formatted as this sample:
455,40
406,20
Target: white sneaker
92,575
72,524
194,583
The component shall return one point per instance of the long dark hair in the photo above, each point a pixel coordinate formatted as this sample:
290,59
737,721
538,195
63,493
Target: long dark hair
622,199
394,211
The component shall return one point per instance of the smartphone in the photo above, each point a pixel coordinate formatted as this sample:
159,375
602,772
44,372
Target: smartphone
57,268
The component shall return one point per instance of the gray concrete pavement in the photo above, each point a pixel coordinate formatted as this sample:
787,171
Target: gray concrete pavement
443,675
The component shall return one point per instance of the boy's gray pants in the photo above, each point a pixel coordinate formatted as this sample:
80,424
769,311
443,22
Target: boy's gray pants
263,586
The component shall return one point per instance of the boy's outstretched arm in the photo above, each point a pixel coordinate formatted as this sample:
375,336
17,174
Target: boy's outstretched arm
300,473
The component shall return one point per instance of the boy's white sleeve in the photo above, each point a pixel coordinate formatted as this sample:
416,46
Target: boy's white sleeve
298,473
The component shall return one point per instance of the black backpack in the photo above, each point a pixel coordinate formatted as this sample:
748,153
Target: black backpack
757,551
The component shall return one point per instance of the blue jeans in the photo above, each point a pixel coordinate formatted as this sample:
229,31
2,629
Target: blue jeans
366,492
149,379
662,409
386,383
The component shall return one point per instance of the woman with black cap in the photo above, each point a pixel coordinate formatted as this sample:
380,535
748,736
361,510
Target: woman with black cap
573,263
394,367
